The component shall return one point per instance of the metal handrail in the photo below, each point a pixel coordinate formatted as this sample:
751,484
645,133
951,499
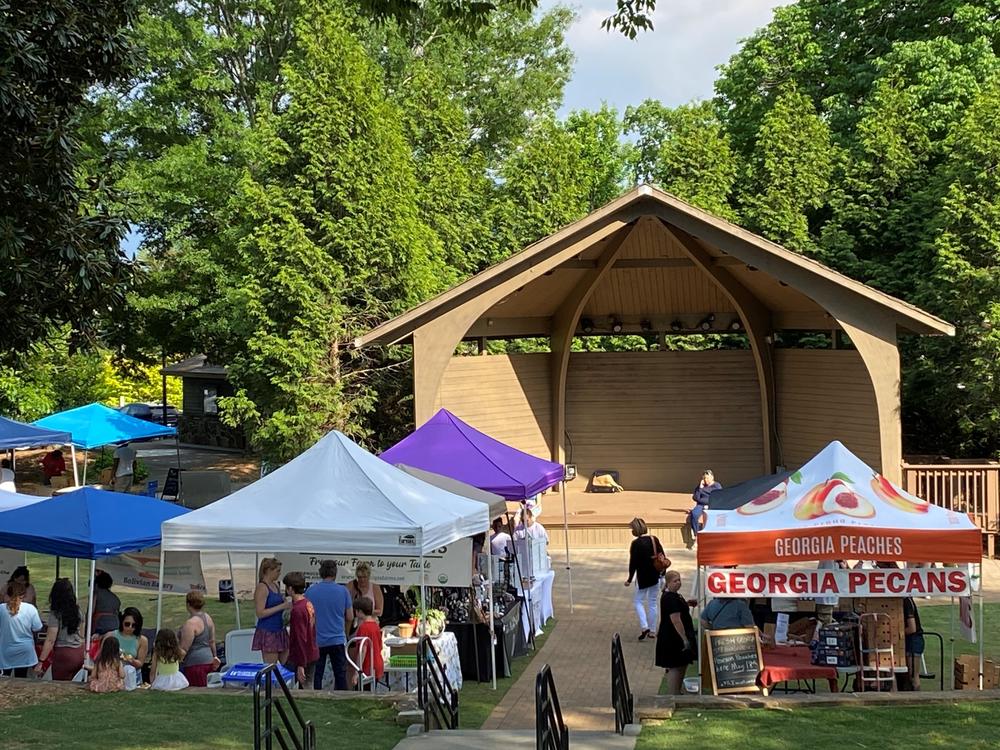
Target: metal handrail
550,729
264,740
622,699
932,634
437,697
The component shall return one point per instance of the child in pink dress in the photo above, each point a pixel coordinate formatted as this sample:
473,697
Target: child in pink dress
109,674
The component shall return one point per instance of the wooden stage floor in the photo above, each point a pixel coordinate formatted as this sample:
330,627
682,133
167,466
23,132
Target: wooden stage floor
588,509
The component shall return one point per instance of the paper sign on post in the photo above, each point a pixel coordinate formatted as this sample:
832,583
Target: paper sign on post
781,628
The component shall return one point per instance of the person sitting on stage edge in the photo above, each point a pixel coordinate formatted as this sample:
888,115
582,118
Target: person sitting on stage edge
107,606
303,653
705,487
334,615
641,553
63,639
198,642
722,614
675,646
270,637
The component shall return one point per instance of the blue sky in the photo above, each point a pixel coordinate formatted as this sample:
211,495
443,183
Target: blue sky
675,63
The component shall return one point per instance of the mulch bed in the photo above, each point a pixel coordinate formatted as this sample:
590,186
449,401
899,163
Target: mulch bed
15,693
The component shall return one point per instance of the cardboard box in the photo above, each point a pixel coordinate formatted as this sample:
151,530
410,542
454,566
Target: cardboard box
806,605
966,672
889,630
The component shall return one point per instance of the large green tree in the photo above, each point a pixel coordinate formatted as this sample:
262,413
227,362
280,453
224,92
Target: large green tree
60,234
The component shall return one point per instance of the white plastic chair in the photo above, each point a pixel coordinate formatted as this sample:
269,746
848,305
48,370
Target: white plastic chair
364,644
238,648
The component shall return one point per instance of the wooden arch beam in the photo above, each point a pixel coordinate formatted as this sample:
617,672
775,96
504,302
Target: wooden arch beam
756,320
564,323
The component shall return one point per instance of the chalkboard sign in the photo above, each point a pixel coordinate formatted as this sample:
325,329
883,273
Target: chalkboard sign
734,660
171,487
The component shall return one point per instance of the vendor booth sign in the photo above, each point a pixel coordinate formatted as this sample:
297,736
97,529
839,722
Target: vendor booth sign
141,570
880,582
9,559
446,566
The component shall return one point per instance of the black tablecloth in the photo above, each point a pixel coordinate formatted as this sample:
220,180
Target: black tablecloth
476,665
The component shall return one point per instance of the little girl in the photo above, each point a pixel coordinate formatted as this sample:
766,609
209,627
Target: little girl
109,674
165,673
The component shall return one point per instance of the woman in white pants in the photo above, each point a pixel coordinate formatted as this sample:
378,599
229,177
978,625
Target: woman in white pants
642,555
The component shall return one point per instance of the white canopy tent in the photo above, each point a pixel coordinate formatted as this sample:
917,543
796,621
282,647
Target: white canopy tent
335,498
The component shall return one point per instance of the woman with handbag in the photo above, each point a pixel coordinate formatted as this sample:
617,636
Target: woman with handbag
675,649
646,563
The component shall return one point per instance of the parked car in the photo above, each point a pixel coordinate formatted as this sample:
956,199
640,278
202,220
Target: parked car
151,412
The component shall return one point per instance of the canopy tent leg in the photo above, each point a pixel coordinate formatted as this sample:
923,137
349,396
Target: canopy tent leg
180,481
982,632
76,576
520,582
90,606
159,594
702,593
72,457
475,631
951,637
236,599
86,453
569,572
493,637
423,593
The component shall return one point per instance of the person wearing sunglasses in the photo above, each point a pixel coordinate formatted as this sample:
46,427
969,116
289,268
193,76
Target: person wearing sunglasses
134,645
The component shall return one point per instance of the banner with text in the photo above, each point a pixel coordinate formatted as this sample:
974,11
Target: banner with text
445,566
141,570
9,559
880,582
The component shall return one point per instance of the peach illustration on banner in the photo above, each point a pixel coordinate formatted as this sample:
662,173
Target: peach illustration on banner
811,504
842,500
765,502
905,502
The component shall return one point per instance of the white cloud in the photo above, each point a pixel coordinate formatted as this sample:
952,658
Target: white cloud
675,63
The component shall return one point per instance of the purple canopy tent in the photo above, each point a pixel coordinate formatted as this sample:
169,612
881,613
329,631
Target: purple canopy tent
446,445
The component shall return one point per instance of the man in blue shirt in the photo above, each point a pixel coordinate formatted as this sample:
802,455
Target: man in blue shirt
722,614
334,613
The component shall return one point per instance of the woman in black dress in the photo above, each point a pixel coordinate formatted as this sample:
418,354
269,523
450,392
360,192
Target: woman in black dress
675,645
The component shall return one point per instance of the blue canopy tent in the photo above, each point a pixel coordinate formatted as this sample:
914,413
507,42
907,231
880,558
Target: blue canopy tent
96,425
87,524
14,434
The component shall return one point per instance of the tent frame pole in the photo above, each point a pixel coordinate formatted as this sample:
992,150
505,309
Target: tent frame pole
423,594
72,457
489,615
520,585
159,593
982,632
569,571
180,482
951,637
86,457
236,599
90,606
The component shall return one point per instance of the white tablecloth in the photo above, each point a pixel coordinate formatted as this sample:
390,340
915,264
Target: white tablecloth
447,649
541,603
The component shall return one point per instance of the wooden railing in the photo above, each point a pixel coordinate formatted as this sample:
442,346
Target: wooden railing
964,488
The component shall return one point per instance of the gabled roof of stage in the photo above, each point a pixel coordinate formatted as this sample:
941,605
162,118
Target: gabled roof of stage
653,276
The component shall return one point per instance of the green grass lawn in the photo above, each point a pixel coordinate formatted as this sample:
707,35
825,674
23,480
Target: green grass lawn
970,726
936,618
476,700
145,720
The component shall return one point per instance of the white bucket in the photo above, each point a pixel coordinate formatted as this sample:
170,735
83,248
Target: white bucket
692,685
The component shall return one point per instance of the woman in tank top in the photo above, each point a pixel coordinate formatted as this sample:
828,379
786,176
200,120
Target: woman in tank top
198,642
270,637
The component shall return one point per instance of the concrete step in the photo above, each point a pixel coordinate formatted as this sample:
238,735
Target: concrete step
517,739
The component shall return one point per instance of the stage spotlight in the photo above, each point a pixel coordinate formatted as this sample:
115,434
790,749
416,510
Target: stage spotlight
587,325
646,326
616,325
676,325
735,325
706,322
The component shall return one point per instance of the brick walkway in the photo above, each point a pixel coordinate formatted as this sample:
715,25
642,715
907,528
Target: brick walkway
579,648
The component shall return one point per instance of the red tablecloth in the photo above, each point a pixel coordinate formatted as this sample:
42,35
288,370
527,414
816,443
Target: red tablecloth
783,663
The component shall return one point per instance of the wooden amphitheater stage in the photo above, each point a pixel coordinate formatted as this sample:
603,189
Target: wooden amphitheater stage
601,520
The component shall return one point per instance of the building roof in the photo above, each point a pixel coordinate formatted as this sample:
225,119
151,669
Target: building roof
652,274
196,366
